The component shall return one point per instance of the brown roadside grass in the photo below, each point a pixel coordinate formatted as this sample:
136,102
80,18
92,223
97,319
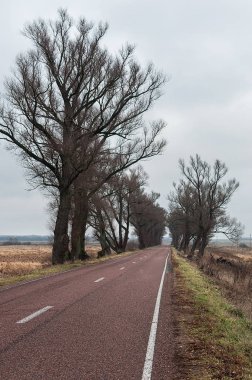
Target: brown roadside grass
24,259
232,269
232,253
26,263
213,338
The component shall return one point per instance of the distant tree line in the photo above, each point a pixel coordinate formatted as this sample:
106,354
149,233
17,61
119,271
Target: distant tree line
74,114
24,238
198,206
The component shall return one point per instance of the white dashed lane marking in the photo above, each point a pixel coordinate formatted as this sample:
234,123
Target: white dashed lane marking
33,315
99,279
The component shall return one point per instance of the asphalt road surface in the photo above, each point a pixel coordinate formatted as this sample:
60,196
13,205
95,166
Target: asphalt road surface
104,322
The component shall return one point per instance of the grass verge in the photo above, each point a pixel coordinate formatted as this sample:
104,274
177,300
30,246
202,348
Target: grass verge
214,339
53,269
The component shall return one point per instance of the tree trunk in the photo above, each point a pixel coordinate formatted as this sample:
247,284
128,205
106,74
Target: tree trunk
121,245
203,244
181,245
105,248
141,241
194,246
186,243
125,240
61,240
79,222
126,231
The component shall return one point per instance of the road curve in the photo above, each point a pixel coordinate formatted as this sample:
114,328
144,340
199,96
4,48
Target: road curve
91,323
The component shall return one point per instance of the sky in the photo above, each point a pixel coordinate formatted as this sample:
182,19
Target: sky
205,50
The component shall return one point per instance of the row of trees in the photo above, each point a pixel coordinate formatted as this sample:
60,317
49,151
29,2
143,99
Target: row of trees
74,114
197,206
121,204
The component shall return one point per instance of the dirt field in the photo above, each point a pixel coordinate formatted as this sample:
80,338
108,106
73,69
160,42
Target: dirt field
22,259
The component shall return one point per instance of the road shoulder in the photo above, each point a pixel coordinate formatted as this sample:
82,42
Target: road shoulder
213,339
164,366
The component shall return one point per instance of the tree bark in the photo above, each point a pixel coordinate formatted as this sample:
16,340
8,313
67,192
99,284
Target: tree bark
194,246
125,240
203,244
79,222
141,241
61,240
105,248
126,230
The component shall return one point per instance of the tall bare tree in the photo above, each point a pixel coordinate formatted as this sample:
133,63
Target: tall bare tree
148,219
200,200
67,97
112,161
182,217
111,209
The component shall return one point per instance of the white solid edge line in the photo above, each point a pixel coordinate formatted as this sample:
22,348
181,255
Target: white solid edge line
152,337
33,315
99,279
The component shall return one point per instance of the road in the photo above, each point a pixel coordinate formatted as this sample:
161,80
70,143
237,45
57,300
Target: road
97,322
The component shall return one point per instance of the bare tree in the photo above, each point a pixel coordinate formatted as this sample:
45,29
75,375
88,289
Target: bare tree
148,219
182,217
112,161
99,224
230,227
67,97
207,200
111,211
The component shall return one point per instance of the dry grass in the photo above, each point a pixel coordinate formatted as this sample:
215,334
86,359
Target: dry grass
24,259
25,263
26,253
232,268
232,253
18,267
213,338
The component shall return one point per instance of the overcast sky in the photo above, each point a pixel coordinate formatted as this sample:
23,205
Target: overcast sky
204,47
